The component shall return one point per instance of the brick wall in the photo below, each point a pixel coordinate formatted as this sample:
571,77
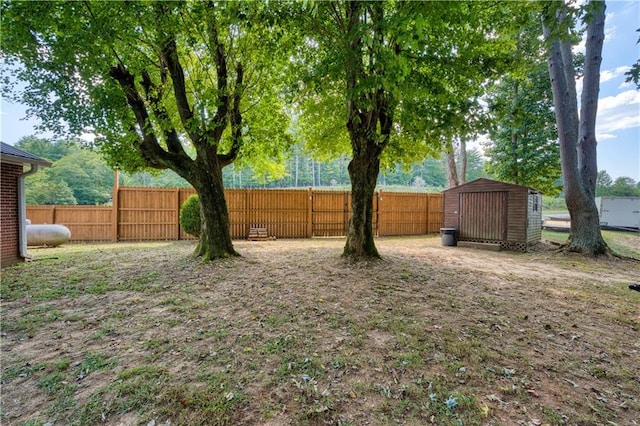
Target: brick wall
9,228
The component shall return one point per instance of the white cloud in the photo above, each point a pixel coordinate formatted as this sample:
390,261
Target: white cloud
605,136
607,75
618,112
609,16
625,84
609,33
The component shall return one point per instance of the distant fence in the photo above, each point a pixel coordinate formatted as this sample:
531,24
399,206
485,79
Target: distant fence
139,214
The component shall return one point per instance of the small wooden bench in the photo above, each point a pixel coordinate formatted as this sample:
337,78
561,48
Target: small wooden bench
258,234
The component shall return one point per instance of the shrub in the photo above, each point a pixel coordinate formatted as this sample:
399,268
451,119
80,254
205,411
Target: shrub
190,216
553,204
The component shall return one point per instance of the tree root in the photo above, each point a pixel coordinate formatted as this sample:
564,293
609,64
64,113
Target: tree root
568,248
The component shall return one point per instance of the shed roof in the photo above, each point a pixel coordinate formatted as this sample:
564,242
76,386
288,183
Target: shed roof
489,181
13,155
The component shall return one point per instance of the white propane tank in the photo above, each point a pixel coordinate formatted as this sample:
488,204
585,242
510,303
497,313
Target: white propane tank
47,235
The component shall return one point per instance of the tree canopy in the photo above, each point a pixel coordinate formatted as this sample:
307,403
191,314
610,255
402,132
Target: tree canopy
187,86
397,79
622,186
441,66
76,176
523,147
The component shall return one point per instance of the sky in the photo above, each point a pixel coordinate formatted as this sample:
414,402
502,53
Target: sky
618,120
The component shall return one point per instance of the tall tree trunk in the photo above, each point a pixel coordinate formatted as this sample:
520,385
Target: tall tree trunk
363,171
463,161
369,122
515,129
215,233
587,153
452,169
205,172
577,135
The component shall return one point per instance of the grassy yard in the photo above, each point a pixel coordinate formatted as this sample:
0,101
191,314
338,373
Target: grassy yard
291,334
622,243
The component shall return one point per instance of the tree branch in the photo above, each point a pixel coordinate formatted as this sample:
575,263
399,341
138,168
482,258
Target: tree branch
149,148
220,59
154,98
235,116
170,57
587,163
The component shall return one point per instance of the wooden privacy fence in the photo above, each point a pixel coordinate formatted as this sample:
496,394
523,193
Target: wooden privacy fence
139,214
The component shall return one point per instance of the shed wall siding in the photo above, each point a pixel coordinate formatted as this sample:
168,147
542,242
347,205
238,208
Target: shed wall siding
534,218
517,209
517,215
483,215
9,227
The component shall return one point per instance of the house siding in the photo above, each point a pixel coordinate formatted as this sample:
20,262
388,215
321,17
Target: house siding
9,225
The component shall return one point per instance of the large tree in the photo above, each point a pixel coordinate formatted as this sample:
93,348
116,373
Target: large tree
185,86
577,136
523,144
390,77
471,121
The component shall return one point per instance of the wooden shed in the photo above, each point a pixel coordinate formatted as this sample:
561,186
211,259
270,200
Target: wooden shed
499,213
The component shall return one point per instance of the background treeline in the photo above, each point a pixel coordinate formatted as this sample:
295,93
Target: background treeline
79,175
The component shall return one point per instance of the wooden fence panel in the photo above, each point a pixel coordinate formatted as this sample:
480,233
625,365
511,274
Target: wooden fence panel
237,202
435,203
41,214
403,213
282,212
148,214
86,223
153,214
330,213
376,215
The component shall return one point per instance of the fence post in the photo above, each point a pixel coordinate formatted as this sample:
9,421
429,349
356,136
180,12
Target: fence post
53,214
309,213
247,213
115,204
177,192
379,214
428,200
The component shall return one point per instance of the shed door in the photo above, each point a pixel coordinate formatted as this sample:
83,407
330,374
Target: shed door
483,215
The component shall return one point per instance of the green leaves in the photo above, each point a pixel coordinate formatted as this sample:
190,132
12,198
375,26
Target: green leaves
77,175
63,54
422,59
523,146
633,75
